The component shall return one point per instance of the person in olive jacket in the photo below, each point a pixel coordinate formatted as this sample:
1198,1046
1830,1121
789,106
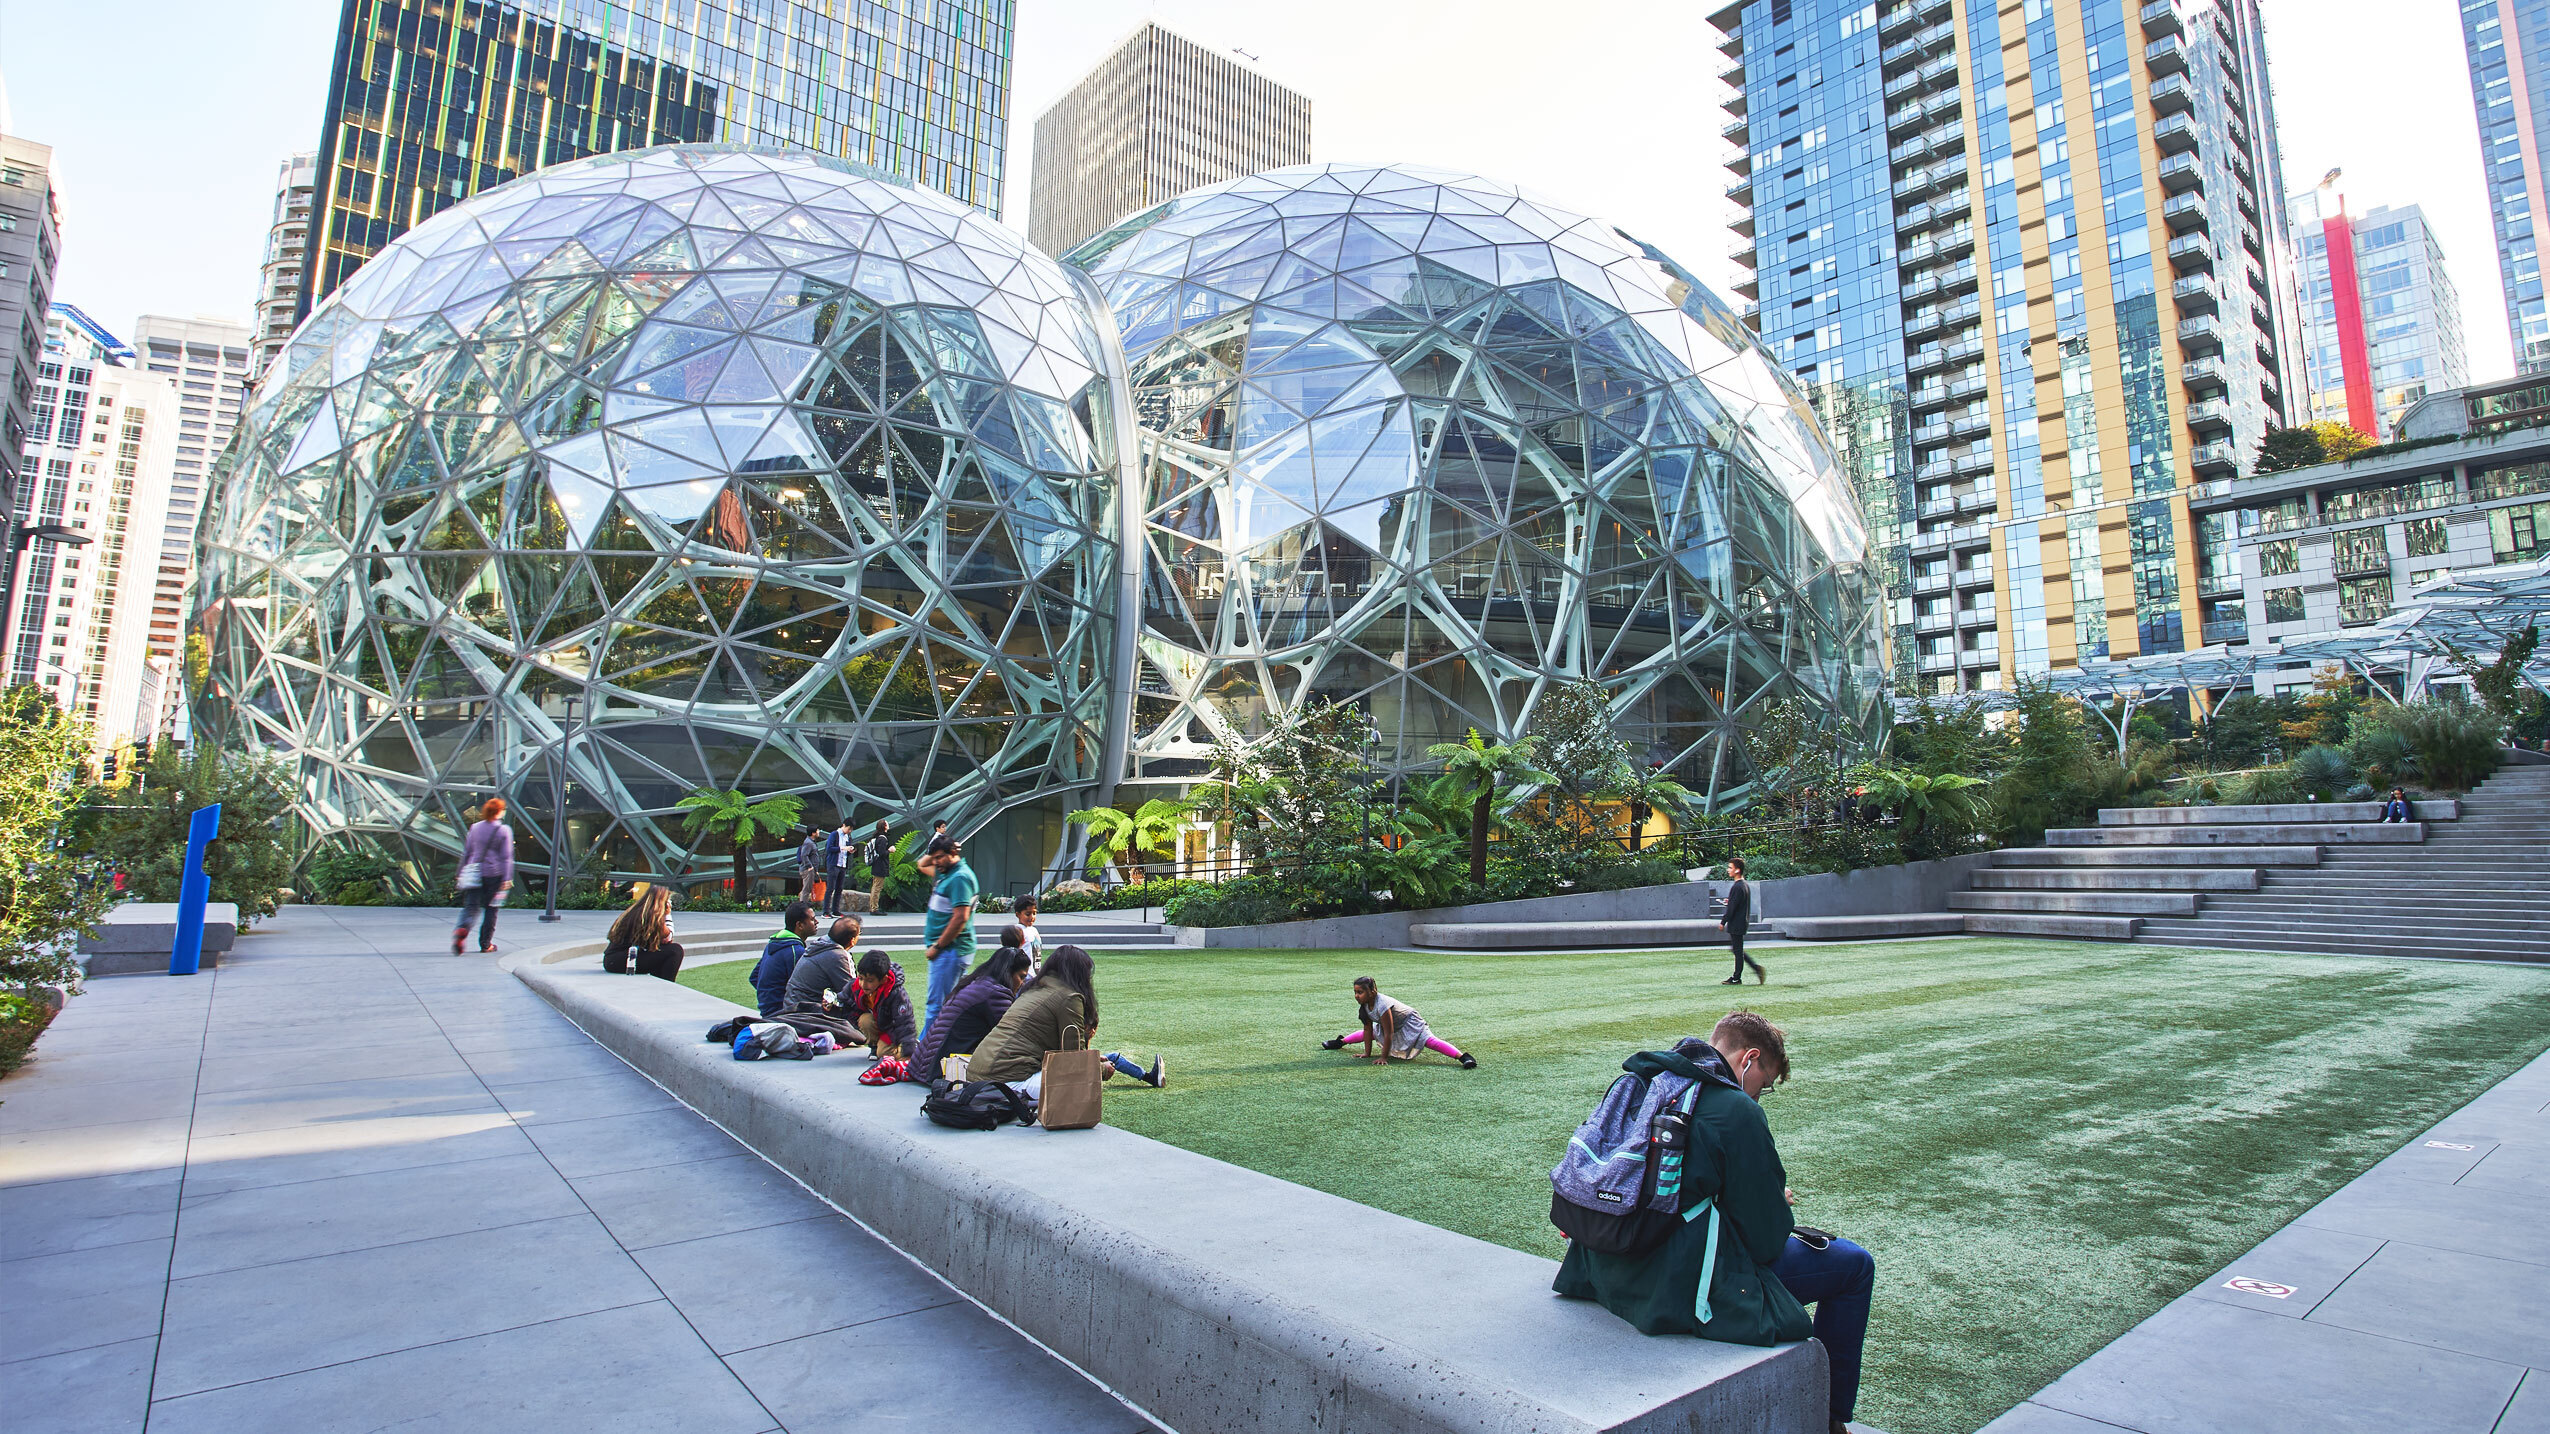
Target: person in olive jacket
1766,1264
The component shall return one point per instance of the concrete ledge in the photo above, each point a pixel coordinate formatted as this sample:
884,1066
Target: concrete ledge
2316,833
1216,1298
2115,878
2047,923
1542,935
2442,810
135,938
2074,857
2082,903
1865,928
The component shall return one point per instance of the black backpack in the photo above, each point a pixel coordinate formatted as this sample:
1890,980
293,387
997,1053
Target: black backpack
976,1105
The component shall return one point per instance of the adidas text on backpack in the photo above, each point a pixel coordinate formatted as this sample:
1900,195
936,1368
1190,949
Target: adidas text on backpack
1618,1189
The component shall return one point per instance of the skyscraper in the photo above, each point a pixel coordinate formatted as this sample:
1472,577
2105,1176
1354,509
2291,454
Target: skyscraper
1159,116
2026,260
99,466
2381,322
285,272
208,361
2509,75
30,249
431,101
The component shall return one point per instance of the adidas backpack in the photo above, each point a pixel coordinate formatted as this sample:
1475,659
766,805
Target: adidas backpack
1618,1189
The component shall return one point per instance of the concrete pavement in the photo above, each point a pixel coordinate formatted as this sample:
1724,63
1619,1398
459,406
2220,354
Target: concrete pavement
347,1180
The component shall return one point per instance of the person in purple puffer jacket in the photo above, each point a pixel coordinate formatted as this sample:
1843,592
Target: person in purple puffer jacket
487,855
980,1000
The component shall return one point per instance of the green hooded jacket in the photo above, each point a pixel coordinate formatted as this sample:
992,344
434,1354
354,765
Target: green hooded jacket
1733,1159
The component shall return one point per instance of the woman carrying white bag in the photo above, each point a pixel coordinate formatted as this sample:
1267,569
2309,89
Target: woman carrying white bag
486,874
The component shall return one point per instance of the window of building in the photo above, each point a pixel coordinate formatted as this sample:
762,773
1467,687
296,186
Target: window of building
2362,600
2279,558
2360,550
2517,533
2427,538
2284,604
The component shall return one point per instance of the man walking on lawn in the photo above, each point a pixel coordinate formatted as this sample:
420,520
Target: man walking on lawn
1661,1292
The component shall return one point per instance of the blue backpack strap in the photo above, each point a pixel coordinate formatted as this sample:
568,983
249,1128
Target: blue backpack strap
1708,1262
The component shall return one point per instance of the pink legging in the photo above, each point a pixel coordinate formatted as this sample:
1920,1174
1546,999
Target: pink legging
1436,1044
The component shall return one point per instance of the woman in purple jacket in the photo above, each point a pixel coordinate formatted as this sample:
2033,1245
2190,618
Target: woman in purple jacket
487,854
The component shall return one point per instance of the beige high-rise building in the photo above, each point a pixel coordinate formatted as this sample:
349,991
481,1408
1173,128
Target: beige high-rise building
209,362
1156,118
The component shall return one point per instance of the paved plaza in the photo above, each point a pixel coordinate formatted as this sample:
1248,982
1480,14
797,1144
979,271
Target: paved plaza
347,1181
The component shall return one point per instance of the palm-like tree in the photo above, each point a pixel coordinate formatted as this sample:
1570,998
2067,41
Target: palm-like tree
1650,787
1151,827
1481,766
1921,800
736,817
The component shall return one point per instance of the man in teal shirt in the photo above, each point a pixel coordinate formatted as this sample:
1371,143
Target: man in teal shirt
949,928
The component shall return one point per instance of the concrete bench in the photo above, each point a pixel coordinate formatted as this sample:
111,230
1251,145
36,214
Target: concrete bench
135,937
1217,1299
2442,810
1546,935
2260,834
1871,928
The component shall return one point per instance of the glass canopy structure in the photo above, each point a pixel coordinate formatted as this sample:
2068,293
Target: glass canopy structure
729,467
1425,442
694,466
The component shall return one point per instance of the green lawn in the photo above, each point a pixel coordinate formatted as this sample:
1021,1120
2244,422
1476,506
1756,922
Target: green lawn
2041,1142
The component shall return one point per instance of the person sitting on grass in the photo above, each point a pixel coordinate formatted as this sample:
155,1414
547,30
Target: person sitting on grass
1061,999
825,968
780,954
641,938
981,999
1659,1291
1393,1028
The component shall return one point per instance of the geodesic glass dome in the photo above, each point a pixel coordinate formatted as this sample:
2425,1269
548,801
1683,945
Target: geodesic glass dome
1423,441
694,466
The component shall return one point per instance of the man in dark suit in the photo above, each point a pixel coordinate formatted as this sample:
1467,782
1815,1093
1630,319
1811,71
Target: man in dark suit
1739,916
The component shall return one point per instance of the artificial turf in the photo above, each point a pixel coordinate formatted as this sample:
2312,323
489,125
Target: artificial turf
2042,1142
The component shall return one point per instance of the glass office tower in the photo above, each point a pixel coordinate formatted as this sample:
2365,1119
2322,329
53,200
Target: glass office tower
2029,260
2381,320
2508,85
432,101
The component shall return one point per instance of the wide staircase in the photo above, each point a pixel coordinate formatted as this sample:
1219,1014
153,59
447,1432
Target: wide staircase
2464,879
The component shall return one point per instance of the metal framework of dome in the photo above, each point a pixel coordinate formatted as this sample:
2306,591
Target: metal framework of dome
789,475
1429,443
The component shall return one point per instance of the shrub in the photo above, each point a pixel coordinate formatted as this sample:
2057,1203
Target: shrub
2263,787
1243,901
1630,873
21,1021
2378,751
2455,743
48,894
2043,785
1770,866
2321,769
341,876
2362,792
141,830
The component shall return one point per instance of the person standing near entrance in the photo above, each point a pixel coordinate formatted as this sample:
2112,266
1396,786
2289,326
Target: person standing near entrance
949,928
810,866
836,862
1739,917
879,855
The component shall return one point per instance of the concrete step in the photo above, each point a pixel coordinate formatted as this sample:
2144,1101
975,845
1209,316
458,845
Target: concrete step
2444,810
2264,833
1864,928
2145,856
2313,946
2036,923
2354,916
2359,935
2071,878
2081,903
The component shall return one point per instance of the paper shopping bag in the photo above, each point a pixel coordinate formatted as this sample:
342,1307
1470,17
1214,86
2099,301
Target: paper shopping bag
1069,1098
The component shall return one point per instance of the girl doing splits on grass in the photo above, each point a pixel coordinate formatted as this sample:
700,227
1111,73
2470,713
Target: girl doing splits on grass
1393,1029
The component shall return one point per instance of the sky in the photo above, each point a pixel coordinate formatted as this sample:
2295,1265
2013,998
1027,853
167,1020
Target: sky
172,115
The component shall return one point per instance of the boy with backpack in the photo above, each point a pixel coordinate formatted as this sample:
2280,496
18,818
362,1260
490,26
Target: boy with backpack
1677,1211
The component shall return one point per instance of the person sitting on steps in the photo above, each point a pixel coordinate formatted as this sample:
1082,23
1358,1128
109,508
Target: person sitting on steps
1393,1028
1659,1291
2396,809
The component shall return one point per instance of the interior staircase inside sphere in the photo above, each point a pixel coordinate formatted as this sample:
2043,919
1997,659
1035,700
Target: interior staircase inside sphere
2465,879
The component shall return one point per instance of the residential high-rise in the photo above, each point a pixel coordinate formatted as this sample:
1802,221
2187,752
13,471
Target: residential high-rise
281,278
1159,116
99,464
30,249
2381,322
2027,260
208,360
431,101
2509,76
